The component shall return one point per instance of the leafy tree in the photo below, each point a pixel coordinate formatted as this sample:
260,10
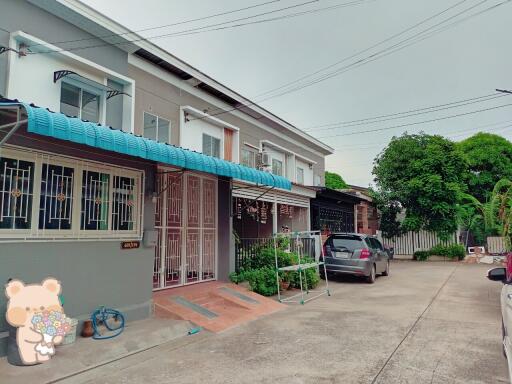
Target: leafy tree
490,159
334,181
422,174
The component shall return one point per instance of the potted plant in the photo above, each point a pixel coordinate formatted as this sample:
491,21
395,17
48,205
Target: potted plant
284,281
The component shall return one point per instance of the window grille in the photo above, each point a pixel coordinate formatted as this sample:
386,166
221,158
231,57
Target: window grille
16,183
56,197
73,198
95,200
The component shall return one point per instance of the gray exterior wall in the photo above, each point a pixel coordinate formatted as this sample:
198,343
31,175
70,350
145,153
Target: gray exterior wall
16,15
163,99
92,273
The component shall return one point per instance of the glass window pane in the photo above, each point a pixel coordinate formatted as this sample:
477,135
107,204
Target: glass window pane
56,201
215,147
277,167
300,175
248,158
95,201
16,186
90,107
150,126
70,100
207,144
163,130
123,204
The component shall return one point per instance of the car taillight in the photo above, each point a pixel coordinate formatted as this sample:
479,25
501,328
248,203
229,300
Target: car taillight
365,253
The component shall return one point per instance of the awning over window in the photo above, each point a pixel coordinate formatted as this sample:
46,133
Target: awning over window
57,125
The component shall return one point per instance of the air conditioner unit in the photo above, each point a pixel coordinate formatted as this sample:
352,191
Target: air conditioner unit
263,160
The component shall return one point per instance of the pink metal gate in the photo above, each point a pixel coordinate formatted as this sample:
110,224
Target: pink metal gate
186,221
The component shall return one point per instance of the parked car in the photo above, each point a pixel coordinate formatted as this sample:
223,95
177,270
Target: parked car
504,274
355,254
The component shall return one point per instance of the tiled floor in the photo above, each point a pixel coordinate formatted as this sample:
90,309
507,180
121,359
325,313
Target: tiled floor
215,306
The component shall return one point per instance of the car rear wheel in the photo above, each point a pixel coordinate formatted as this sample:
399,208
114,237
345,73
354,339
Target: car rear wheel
371,278
386,271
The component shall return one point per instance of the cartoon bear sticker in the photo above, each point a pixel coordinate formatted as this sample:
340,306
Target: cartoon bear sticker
35,311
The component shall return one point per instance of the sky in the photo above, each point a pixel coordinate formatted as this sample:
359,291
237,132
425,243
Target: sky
465,61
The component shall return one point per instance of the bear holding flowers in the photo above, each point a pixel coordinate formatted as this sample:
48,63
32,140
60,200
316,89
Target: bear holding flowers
35,311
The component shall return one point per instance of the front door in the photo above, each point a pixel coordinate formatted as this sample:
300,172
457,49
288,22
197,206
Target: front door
186,221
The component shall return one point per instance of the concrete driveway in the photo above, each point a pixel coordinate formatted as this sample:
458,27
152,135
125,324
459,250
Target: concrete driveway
426,323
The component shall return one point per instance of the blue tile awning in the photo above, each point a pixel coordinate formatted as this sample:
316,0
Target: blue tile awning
44,122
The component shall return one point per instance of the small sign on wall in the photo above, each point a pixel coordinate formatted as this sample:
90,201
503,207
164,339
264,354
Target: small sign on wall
130,244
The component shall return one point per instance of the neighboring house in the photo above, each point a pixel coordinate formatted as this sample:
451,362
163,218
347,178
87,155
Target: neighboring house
367,213
100,201
334,211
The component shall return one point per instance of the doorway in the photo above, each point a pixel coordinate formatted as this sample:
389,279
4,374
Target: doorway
186,222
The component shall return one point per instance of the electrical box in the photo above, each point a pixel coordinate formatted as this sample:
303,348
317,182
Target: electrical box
150,238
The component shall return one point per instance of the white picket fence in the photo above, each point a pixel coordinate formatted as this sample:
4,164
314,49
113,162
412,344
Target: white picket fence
495,245
410,242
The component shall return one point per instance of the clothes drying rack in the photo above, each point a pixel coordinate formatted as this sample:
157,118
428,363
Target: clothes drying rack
305,293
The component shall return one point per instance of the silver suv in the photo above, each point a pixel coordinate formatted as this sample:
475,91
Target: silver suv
355,254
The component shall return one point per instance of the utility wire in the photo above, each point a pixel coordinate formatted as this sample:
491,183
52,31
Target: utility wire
160,26
371,57
374,56
313,128
404,116
205,28
418,122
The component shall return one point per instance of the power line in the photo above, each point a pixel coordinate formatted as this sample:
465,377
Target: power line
373,58
418,122
160,26
205,28
407,114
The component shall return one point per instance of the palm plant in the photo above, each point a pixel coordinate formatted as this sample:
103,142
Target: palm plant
496,213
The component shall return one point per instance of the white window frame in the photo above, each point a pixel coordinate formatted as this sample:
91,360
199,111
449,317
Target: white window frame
158,118
84,87
75,233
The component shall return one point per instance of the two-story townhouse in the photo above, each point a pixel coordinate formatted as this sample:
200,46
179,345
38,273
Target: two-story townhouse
193,111
125,175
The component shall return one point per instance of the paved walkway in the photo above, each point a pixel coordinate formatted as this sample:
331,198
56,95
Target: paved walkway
426,323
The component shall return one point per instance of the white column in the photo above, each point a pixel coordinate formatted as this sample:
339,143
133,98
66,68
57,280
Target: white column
355,217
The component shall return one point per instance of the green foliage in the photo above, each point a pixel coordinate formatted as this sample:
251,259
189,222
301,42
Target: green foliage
452,251
388,211
496,213
260,271
423,174
262,280
334,181
489,159
312,277
421,255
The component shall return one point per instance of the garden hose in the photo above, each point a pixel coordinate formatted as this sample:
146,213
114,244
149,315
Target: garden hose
102,316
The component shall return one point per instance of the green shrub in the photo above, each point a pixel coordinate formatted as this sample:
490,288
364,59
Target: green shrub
312,276
452,251
262,281
421,255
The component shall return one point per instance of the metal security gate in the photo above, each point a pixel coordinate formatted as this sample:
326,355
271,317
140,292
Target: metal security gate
186,221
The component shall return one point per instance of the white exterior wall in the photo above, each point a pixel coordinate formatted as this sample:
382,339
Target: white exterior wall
30,79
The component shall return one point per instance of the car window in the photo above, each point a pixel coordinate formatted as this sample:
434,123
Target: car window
376,244
349,242
368,243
